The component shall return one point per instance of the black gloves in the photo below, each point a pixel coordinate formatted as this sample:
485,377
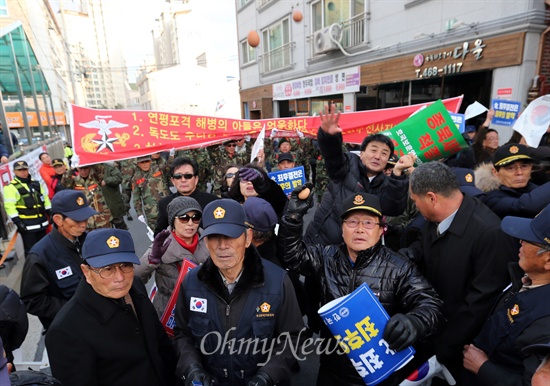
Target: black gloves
254,176
21,228
260,379
196,373
159,247
297,207
402,331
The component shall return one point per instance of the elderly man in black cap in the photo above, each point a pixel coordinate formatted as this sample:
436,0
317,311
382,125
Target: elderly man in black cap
109,332
412,303
27,204
521,316
52,268
516,196
235,297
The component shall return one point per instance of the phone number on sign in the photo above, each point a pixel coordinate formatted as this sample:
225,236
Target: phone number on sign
435,71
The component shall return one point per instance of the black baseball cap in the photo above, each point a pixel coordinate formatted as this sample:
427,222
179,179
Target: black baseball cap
107,246
223,217
72,204
362,201
511,152
20,165
536,230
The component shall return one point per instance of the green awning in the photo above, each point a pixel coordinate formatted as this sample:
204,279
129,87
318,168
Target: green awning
15,48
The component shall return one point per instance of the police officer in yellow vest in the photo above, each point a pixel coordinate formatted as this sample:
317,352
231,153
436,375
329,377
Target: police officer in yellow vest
27,204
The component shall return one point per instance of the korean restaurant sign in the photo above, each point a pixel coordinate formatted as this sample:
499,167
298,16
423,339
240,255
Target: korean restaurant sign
334,82
431,65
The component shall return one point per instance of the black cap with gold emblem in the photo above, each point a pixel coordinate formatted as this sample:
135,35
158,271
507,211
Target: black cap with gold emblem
224,217
20,165
362,201
511,152
73,204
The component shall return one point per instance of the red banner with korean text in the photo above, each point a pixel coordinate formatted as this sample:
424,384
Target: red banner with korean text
109,135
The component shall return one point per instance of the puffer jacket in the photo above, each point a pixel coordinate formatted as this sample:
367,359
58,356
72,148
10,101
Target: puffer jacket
166,273
396,282
348,175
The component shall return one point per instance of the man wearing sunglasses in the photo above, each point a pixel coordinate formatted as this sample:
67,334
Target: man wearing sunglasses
184,174
221,156
412,303
109,333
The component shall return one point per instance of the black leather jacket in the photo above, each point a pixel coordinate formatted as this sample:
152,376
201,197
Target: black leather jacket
395,280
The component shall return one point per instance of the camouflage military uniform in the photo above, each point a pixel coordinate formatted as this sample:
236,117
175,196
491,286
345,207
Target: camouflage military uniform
202,157
220,159
91,187
321,177
127,169
112,177
148,188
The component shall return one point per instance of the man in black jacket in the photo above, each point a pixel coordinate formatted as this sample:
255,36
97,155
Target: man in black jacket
232,306
463,252
109,332
52,271
184,174
412,303
350,174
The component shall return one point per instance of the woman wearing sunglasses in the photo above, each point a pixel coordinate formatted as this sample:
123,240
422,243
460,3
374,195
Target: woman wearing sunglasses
228,176
253,181
165,256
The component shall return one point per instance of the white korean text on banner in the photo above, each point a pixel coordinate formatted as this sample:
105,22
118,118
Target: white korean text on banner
357,321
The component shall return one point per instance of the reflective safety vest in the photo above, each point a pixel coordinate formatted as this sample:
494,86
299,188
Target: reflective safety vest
30,205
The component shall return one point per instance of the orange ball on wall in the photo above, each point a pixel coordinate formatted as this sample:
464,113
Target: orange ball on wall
253,39
297,15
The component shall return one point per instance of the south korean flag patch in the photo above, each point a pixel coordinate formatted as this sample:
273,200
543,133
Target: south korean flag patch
198,305
64,272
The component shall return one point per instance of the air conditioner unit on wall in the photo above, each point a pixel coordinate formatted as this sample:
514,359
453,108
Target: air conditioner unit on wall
322,39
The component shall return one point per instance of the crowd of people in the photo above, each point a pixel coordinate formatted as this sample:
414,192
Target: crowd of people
457,251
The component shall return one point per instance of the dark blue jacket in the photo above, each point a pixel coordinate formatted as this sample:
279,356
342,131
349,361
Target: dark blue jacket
262,305
518,320
50,275
526,202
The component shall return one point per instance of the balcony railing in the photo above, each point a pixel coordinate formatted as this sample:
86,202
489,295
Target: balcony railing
354,33
277,59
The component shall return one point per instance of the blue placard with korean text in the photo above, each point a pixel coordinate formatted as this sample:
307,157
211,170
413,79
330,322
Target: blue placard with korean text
506,112
289,179
357,321
459,120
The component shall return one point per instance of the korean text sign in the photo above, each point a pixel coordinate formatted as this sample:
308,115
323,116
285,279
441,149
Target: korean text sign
357,321
506,112
110,135
289,179
430,134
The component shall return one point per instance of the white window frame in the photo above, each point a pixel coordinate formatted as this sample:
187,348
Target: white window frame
248,53
4,8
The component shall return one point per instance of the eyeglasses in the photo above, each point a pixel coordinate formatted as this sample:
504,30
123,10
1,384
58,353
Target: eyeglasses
187,176
109,271
231,145
367,224
230,175
535,244
196,218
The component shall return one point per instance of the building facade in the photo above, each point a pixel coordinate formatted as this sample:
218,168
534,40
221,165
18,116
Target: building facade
371,54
